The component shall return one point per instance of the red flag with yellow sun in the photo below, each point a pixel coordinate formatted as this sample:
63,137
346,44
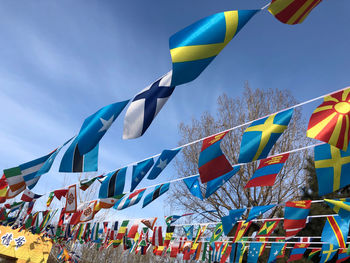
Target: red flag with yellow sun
330,121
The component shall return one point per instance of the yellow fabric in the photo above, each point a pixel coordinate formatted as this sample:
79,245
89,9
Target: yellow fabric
35,248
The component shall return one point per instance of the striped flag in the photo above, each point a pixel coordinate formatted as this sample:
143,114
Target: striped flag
106,203
129,200
29,196
330,120
157,238
242,228
158,191
86,183
295,215
267,171
113,184
298,251
212,162
168,235
292,12
335,231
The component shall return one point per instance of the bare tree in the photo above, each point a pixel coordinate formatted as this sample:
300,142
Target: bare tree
230,113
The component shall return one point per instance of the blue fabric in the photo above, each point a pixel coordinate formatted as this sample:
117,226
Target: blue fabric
228,222
188,231
139,171
254,250
158,191
163,160
296,213
194,186
328,252
251,139
215,184
328,234
274,251
258,210
114,187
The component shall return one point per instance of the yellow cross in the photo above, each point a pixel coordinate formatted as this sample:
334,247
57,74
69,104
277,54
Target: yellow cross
329,252
336,162
266,129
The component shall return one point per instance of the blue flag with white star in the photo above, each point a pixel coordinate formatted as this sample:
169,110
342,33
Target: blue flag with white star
228,222
215,184
193,186
254,250
188,231
276,248
258,211
82,154
139,171
145,106
162,162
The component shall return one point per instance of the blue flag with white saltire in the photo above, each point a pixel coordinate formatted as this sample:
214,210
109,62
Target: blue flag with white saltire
145,106
193,186
229,221
215,184
162,162
258,211
275,249
91,132
254,251
139,171
113,184
158,191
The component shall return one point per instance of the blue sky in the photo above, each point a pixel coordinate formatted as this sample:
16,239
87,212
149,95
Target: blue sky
63,60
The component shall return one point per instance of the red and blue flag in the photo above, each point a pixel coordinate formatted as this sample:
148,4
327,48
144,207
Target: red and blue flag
298,251
295,215
212,162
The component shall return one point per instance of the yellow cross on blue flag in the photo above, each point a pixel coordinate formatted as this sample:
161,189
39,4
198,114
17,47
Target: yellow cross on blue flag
194,47
262,134
332,167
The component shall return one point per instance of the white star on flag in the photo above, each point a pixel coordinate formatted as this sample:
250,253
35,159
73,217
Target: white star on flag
162,164
106,124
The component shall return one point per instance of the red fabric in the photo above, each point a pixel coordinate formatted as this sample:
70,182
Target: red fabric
60,193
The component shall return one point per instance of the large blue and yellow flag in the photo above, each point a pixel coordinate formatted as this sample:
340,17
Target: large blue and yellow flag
194,47
332,168
335,231
262,134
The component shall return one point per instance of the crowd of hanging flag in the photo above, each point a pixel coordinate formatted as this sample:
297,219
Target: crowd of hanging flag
192,50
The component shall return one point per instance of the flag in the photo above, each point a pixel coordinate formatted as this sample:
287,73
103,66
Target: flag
229,221
342,256
297,252
106,203
94,232
164,159
200,231
242,227
253,254
86,183
328,252
129,200
30,207
71,200
257,211
237,252
24,174
49,199
217,250
201,251
212,162
11,194
292,12
194,47
276,248
88,212
311,255
157,238
145,106
94,128
218,231
188,231
342,207
335,231
193,186
29,196
267,171
332,167
133,230
139,171
168,235
113,184
158,191
122,230
330,120
149,222
295,215
215,184
262,134
60,193
171,219
226,253
14,206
